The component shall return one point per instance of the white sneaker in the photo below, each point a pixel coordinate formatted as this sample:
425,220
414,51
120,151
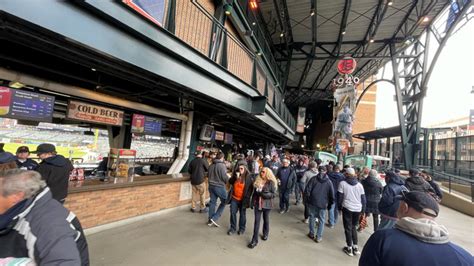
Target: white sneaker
214,223
348,251
355,250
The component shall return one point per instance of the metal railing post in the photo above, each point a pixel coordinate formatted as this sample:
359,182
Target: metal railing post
449,184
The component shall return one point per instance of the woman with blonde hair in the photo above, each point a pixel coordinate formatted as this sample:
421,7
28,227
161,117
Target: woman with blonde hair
265,186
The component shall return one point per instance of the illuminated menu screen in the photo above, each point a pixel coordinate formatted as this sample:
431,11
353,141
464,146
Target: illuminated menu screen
146,125
26,105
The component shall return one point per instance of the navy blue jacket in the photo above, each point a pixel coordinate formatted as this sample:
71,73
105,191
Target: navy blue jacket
394,247
41,229
287,176
388,205
55,171
336,178
29,164
319,192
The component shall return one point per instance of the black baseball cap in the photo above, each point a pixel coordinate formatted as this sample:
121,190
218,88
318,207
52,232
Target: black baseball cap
421,201
22,149
45,148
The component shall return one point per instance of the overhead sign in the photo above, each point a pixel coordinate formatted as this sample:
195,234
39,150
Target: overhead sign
348,90
346,66
26,105
301,119
94,113
219,135
228,138
142,124
152,10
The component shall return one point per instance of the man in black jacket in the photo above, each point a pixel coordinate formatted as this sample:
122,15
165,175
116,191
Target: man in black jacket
34,228
55,170
197,169
417,183
319,196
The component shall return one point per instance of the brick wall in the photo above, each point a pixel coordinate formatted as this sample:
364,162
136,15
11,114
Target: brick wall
365,113
105,206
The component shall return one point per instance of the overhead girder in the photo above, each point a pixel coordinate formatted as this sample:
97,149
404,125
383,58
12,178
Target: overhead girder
412,68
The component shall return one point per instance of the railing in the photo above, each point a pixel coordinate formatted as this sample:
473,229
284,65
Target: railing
262,36
195,25
453,179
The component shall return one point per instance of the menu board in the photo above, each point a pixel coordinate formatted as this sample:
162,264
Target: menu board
219,135
142,124
26,105
228,138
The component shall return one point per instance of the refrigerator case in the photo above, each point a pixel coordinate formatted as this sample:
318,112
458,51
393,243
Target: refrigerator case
121,163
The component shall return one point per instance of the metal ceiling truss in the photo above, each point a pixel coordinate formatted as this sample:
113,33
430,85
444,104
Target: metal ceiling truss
284,19
412,68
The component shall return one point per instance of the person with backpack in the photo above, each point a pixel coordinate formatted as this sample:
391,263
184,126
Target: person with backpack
336,177
389,203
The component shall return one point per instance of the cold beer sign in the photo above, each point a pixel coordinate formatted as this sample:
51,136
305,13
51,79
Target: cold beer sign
94,114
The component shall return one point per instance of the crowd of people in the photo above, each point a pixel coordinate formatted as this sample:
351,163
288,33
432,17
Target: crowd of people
403,211
35,228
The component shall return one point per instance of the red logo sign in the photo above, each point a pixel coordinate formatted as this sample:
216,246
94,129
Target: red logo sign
346,66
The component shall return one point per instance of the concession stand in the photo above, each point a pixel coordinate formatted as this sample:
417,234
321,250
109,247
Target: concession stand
121,193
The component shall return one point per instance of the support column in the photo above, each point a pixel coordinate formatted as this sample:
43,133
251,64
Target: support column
120,137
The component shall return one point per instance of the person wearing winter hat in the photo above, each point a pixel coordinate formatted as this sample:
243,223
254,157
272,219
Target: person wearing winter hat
417,238
373,192
352,203
388,204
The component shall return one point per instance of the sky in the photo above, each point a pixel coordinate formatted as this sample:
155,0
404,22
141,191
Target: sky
449,88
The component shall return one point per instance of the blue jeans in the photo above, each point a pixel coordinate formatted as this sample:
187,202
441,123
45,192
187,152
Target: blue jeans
333,215
386,223
284,199
299,189
315,212
216,192
234,207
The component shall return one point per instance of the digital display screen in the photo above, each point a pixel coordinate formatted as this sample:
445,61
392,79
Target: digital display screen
146,125
26,105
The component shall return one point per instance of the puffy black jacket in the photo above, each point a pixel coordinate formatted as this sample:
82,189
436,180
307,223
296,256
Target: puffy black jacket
55,171
373,193
418,183
44,231
197,169
319,192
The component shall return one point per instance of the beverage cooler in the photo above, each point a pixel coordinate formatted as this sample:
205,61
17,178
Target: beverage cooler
121,163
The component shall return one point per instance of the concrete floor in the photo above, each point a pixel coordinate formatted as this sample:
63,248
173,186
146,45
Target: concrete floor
183,238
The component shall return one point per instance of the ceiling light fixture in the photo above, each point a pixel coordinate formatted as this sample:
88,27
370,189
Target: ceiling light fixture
390,2
371,40
426,19
282,34
93,69
344,32
253,4
312,13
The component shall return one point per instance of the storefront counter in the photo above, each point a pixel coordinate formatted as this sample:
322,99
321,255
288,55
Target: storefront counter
97,202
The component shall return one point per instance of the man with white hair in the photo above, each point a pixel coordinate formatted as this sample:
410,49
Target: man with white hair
35,228
286,179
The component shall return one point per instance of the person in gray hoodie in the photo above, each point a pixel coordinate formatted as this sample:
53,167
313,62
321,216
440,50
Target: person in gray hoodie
416,239
311,172
217,180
